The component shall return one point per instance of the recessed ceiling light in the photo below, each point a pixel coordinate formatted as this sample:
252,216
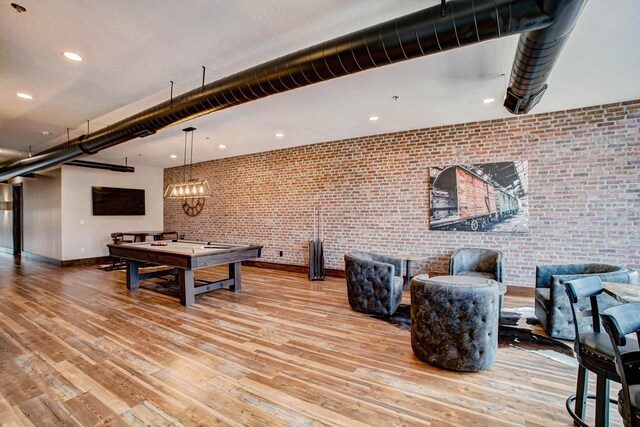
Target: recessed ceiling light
24,95
72,56
45,132
222,146
488,100
279,134
373,118
173,156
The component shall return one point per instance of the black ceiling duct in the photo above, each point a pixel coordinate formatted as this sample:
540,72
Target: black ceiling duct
104,166
431,30
537,53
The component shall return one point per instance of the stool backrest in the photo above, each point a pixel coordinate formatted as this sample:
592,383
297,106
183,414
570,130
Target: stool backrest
578,291
620,321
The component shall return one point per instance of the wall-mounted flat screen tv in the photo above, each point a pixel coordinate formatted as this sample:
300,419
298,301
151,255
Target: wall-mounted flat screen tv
117,201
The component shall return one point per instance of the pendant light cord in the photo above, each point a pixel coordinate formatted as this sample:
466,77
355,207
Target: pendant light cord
191,160
184,163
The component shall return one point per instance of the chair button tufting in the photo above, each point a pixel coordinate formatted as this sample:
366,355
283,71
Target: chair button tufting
465,325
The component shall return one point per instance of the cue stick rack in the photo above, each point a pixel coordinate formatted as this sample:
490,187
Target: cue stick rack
316,246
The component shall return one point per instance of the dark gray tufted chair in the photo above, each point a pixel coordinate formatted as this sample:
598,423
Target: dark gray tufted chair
552,304
374,282
455,325
477,262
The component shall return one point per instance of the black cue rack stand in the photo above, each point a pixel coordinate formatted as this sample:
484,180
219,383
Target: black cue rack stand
316,249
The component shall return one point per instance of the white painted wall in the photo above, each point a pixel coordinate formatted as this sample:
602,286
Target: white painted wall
41,228
96,231
6,219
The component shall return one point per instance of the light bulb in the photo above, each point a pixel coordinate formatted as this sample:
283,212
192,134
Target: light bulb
186,191
201,189
181,192
194,190
174,192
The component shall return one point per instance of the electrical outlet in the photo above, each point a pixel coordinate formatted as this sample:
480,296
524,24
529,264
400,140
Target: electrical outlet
281,253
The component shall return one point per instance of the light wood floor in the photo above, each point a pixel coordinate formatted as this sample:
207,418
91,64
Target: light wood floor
78,348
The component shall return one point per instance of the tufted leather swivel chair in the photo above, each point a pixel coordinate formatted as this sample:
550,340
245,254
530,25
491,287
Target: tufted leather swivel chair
477,262
374,282
552,305
454,321
620,321
593,349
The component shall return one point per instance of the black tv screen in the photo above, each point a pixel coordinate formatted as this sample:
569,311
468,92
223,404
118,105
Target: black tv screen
117,201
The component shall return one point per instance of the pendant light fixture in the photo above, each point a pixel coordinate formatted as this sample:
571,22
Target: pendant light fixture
192,188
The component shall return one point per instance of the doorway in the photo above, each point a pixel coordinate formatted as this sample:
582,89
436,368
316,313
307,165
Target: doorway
17,218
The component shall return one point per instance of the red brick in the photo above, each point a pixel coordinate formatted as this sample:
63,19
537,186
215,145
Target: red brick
584,192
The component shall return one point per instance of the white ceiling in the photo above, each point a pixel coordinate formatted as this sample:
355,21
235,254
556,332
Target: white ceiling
132,50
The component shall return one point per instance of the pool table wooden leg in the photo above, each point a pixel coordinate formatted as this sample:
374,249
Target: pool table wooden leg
133,281
187,288
235,273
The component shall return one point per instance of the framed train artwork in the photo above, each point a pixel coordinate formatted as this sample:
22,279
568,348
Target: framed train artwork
482,197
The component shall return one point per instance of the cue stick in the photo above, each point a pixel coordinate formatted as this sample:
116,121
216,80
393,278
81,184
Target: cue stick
321,249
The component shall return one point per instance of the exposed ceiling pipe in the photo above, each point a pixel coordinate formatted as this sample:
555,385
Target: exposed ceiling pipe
414,35
537,53
105,166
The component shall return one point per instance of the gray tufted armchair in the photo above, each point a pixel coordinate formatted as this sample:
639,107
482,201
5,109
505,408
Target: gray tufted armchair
454,321
552,304
486,263
374,282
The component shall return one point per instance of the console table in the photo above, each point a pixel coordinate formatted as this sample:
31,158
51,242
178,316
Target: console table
407,260
140,236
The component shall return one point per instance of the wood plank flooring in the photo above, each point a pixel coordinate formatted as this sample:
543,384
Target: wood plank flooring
78,348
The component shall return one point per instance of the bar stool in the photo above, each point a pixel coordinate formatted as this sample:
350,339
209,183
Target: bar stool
118,239
593,351
620,321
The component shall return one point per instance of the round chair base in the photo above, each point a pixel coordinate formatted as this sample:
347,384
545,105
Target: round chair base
577,420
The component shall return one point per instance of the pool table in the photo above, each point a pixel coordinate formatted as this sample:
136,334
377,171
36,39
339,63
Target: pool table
184,257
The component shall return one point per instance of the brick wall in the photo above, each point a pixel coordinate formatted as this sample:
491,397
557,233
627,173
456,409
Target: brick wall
584,192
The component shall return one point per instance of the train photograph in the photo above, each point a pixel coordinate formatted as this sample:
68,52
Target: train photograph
483,197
